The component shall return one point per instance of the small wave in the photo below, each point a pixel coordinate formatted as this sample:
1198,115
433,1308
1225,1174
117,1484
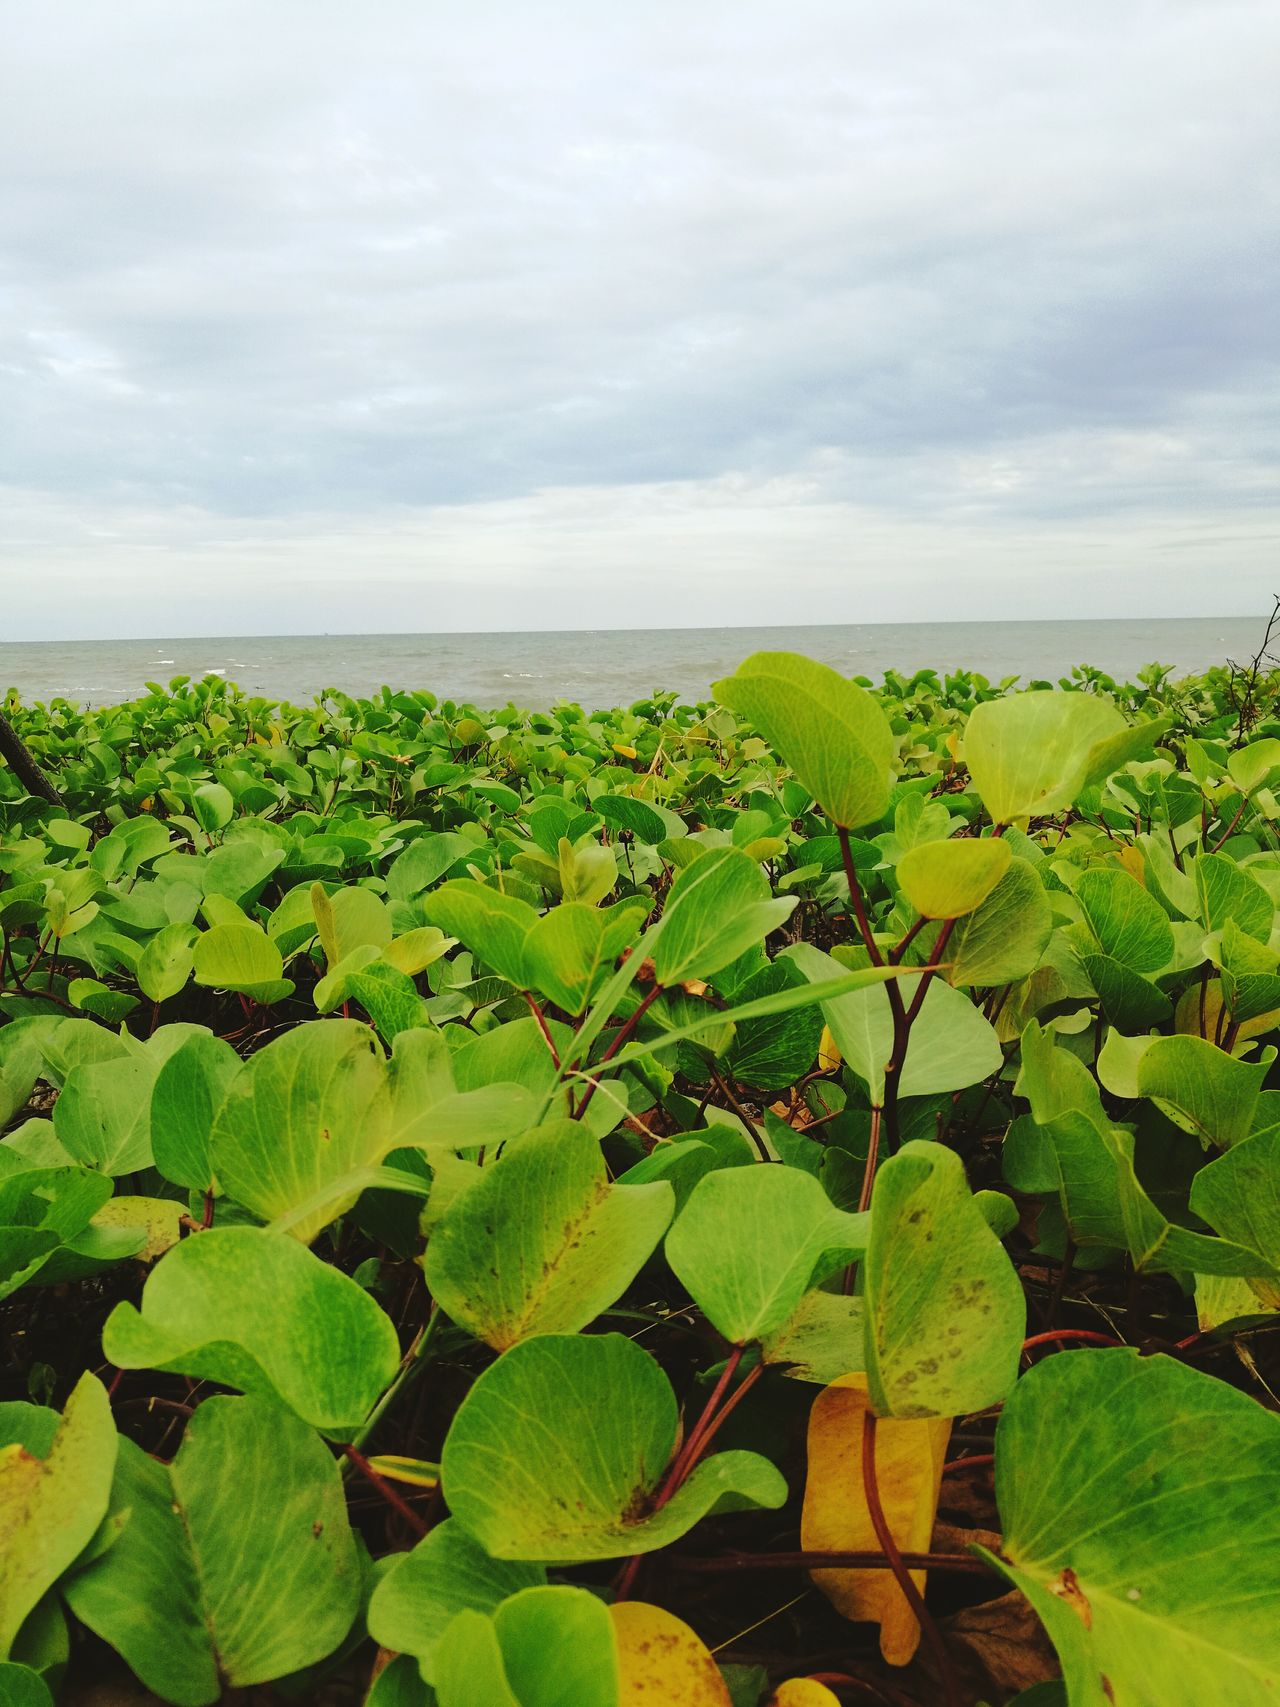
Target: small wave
215,672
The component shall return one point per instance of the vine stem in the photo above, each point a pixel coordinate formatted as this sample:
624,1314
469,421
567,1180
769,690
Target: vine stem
1080,1336
810,1560
855,899
756,1137
383,1487
902,1576
543,1027
869,1171
703,1432
1226,834
623,1033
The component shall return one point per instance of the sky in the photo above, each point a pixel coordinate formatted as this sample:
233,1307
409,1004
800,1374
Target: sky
539,314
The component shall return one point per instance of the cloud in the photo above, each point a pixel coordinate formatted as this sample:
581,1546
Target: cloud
331,291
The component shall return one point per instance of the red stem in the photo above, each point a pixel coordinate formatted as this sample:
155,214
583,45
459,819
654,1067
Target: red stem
1226,834
623,1032
700,1437
389,1494
976,1461
902,1576
541,1018
856,901
1083,1336
810,1560
869,1170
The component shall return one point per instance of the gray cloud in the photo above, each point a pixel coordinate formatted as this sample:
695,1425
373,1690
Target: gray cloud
302,274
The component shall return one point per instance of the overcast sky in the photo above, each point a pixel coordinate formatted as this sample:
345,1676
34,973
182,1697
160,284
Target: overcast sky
528,313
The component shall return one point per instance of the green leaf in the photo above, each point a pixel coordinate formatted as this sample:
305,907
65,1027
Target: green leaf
103,1117
492,925
389,997
622,812
945,1314
773,1052
1239,1196
542,1647
424,862
1130,924
188,1092
242,958
542,1242
167,962
947,880
257,1311
1140,1503
309,1108
830,732
446,1573
428,1113
349,919
1032,754
1226,893
1252,766
54,1487
212,806
952,1045
202,1590
468,1664
22,1687
556,1452
751,1242
822,1342
1201,1088
567,955
1129,1001
718,908
1102,1198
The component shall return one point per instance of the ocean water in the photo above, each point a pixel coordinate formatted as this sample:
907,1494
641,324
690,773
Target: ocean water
611,667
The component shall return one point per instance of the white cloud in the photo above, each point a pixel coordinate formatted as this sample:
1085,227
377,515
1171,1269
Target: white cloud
354,304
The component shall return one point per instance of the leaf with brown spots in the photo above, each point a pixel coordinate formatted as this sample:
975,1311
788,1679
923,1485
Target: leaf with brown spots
662,1662
51,1500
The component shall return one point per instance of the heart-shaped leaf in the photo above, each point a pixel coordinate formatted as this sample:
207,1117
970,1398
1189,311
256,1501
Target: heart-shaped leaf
256,1311
556,1452
945,1314
1128,1527
199,1592
751,1242
55,1482
830,731
542,1242
947,880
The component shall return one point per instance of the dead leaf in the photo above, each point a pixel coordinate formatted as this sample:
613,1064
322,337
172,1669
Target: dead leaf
909,1459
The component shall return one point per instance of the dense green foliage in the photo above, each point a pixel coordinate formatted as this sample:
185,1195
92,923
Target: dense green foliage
445,1154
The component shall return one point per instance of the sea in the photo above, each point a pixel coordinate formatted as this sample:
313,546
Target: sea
599,668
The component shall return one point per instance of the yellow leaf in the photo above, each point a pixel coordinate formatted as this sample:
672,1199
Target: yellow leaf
909,1459
662,1662
416,1472
157,1219
1132,861
624,752
829,1056
802,1692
